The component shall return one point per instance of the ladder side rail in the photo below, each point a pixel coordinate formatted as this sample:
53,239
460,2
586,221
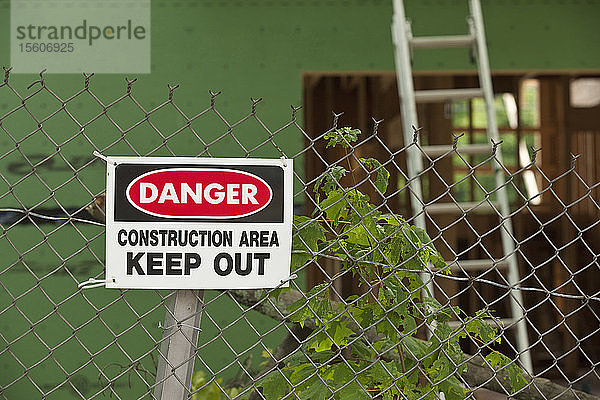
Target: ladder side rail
408,109
508,245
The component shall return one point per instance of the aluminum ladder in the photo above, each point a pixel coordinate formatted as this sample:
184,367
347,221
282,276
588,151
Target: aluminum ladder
404,42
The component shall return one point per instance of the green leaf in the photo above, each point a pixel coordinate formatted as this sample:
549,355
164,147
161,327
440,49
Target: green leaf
383,374
316,301
409,324
342,374
416,347
410,249
329,181
392,250
322,357
313,389
452,388
274,386
300,372
321,342
479,328
306,238
278,292
364,314
422,236
361,349
362,220
359,236
383,175
344,136
443,332
392,219
432,303
204,391
396,289
341,333
353,391
430,308
388,330
434,256
510,370
333,204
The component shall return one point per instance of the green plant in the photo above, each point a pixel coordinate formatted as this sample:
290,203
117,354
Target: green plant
203,390
387,255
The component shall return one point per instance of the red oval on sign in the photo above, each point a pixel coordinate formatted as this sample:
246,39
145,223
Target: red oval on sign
199,193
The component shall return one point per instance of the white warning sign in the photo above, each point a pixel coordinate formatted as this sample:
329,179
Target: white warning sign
198,223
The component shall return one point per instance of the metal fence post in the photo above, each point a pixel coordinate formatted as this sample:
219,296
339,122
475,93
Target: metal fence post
177,350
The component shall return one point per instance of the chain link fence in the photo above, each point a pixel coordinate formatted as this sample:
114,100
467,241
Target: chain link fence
351,243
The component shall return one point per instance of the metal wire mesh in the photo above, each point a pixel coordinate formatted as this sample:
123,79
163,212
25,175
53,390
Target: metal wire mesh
59,340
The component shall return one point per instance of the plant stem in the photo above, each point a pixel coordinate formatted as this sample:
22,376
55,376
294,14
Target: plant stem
361,359
399,347
350,168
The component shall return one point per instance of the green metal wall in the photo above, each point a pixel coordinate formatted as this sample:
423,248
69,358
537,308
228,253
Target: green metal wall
245,49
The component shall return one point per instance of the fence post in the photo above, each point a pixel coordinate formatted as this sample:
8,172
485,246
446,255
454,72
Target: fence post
179,341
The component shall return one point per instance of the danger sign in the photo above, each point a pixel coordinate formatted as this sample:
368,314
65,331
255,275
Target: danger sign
198,223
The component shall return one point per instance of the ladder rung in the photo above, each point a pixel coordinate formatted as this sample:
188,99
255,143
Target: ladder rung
429,42
466,149
442,95
505,322
461,208
476,265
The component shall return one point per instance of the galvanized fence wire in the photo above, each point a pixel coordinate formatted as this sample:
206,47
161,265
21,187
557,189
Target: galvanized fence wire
116,337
